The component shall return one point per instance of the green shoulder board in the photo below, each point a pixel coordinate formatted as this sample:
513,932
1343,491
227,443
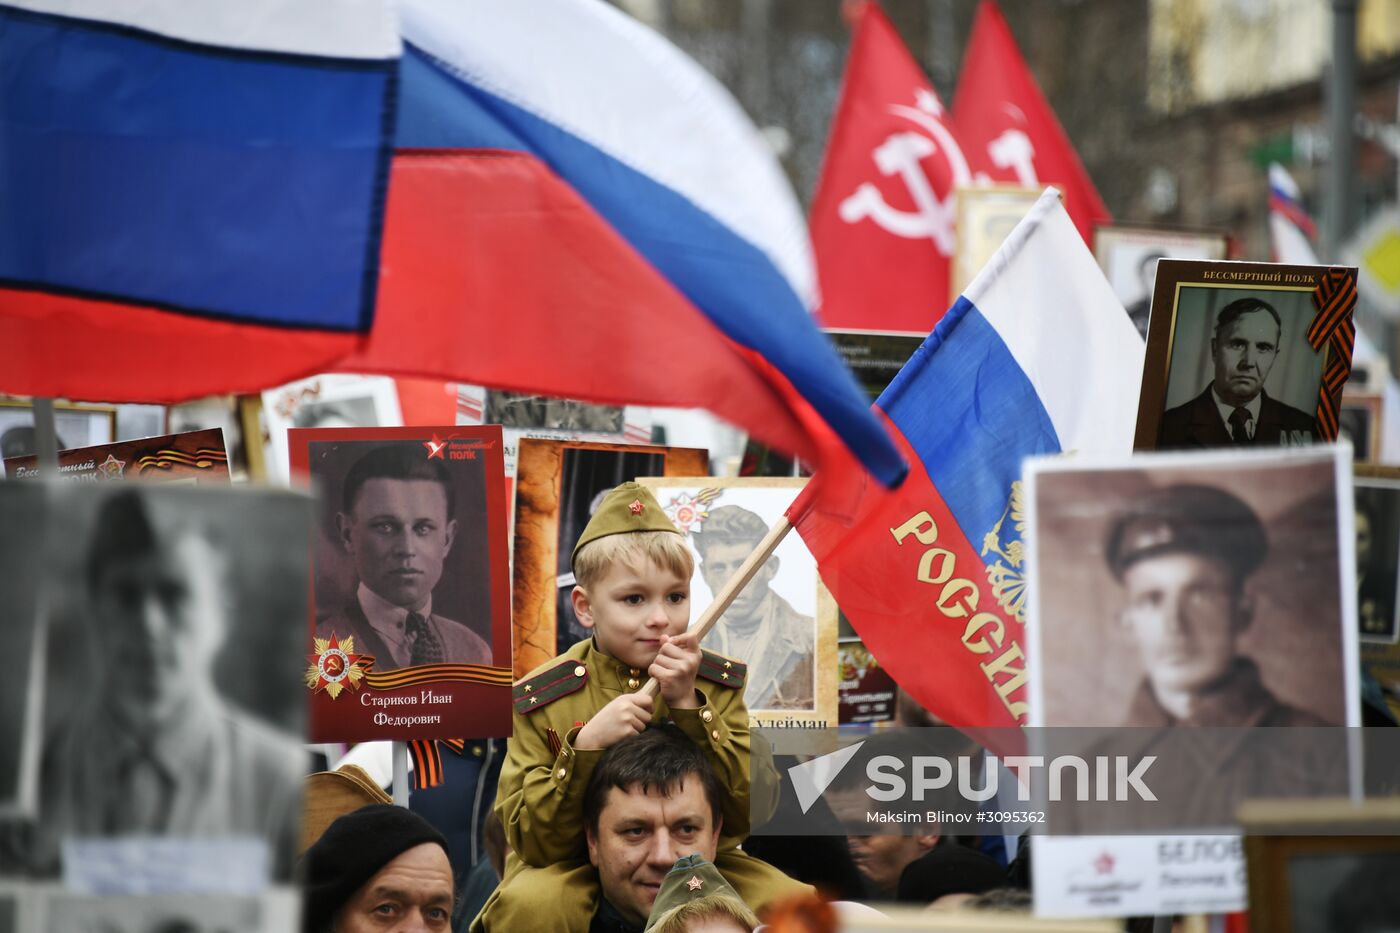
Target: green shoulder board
544,688
726,672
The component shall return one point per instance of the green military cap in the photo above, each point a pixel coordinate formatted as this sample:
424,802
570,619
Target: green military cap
1188,518
690,879
629,508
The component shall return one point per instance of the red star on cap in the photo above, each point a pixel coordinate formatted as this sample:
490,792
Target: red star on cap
636,506
695,884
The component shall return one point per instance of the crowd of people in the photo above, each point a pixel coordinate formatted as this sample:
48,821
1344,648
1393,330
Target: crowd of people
620,812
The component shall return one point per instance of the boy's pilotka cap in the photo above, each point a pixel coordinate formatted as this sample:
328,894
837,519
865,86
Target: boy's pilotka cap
629,508
690,879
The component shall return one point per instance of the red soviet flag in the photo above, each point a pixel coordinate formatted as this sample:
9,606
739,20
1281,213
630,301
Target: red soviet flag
882,219
1010,132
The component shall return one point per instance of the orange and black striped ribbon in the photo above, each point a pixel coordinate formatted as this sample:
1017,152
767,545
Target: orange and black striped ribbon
1334,325
427,760
166,457
430,673
427,763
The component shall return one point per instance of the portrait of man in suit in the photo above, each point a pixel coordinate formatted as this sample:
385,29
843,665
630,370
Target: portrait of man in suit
1234,409
396,523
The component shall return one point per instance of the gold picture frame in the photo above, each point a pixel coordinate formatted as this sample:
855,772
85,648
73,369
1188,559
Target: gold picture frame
1279,833
546,511
1298,393
986,214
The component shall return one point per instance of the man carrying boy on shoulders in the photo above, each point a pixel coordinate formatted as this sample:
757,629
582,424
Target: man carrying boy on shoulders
633,570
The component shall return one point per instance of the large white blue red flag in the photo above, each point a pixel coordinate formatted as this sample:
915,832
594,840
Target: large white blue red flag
191,191
577,208
1036,357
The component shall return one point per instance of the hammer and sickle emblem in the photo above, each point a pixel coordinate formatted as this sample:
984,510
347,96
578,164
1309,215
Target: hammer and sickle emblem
335,666
900,154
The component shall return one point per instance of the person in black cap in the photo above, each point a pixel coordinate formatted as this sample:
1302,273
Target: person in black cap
1183,555
380,869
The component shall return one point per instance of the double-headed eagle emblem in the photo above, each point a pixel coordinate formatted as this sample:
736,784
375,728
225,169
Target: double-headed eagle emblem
1007,575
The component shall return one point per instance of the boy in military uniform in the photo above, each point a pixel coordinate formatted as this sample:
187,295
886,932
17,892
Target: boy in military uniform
633,571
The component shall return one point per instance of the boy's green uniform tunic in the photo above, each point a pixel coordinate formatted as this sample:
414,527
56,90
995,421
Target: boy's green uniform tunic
540,797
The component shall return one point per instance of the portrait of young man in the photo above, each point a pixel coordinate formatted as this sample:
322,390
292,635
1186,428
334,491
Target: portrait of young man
1206,591
1184,556
159,593
1200,608
397,526
778,642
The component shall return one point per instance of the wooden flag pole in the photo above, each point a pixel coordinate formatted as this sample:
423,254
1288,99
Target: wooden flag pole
731,589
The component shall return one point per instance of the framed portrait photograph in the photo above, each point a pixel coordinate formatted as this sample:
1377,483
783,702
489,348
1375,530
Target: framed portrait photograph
1359,421
330,401
531,413
866,692
1245,354
1377,492
1261,542
410,615
559,485
75,425
875,357
1381,657
173,705
1176,603
1378,555
1128,257
194,457
1323,866
783,624
986,214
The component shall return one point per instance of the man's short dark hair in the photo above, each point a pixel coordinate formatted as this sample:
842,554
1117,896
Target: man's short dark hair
658,758
126,528
396,461
729,524
1238,308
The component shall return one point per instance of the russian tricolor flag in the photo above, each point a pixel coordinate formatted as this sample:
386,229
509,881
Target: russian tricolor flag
1036,357
194,202
579,209
191,192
